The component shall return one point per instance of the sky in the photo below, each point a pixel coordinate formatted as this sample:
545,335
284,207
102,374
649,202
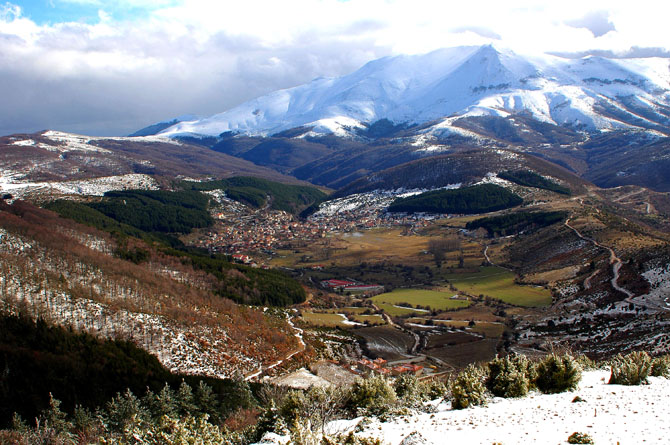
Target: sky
101,67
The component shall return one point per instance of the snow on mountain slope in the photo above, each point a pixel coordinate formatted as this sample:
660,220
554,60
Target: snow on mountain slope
461,81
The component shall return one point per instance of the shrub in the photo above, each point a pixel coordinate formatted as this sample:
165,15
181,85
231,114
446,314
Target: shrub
372,396
433,389
409,390
468,389
661,366
582,438
293,406
557,374
509,376
631,369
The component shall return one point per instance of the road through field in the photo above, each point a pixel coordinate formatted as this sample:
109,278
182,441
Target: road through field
615,261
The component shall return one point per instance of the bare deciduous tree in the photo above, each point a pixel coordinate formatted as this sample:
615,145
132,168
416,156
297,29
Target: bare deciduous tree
439,247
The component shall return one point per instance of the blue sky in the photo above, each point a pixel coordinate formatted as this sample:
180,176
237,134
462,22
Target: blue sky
111,67
45,12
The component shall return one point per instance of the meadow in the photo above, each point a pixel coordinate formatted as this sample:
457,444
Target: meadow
498,283
421,299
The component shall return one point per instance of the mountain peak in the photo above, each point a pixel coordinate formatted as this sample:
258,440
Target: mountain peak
455,81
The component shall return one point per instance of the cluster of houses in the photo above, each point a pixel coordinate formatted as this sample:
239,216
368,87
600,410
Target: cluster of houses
351,286
380,366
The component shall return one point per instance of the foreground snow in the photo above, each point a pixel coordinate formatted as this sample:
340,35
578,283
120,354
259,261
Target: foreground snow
610,414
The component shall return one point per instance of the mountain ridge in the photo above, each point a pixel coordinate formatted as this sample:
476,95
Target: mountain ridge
450,82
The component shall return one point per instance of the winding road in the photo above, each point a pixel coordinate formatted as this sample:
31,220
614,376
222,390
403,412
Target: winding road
615,261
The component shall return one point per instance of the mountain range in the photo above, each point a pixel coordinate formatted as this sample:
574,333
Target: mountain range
591,93
606,120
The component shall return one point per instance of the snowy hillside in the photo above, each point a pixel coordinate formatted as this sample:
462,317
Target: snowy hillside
608,413
593,93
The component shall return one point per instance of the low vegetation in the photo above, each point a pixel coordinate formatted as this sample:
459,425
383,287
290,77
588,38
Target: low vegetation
557,373
475,199
468,389
510,376
631,369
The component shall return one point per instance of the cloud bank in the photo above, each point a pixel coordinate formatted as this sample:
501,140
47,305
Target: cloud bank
125,69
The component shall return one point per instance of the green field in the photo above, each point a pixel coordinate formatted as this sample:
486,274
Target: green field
399,311
321,319
418,298
497,282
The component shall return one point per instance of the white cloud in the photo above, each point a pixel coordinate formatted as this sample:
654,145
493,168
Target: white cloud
204,57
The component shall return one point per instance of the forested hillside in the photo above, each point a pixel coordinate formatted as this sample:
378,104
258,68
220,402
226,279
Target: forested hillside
124,287
475,199
257,192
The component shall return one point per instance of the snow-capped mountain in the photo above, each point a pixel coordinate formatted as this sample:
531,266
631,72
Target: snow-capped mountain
591,93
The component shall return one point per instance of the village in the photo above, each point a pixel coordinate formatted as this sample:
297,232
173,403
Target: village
326,373
244,232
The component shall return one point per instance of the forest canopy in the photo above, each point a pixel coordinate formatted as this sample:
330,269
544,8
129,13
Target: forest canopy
481,198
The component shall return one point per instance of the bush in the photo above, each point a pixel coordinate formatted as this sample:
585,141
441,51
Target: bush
433,389
293,407
557,374
631,369
409,390
468,389
582,438
661,366
509,376
372,396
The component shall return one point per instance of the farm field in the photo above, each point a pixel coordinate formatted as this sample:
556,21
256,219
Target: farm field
374,319
324,319
386,342
421,298
397,311
487,329
497,282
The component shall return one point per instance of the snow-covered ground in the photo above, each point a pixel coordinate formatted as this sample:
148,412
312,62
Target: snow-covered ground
610,414
375,200
90,187
455,82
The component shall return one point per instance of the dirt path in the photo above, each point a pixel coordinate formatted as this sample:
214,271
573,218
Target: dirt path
615,261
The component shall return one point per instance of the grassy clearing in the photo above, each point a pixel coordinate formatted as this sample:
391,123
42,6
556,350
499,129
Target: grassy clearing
323,319
422,298
394,311
497,282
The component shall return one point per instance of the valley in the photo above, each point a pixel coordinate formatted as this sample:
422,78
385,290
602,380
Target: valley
301,249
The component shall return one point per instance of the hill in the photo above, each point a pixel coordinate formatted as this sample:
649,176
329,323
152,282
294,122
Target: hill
173,304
